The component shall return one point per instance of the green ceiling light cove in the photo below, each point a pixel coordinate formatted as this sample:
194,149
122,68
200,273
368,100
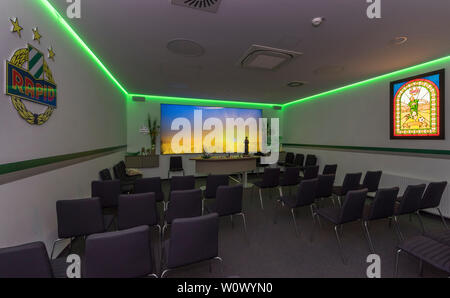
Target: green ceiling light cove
371,80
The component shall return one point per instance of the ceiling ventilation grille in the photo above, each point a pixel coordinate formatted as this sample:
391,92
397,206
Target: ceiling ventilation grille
205,5
262,57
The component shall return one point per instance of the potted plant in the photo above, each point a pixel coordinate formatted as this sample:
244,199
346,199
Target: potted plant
153,131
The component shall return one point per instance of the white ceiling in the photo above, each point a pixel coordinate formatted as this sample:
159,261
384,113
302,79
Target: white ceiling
130,37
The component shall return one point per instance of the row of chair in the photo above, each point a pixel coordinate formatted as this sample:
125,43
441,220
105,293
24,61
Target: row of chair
124,253
298,160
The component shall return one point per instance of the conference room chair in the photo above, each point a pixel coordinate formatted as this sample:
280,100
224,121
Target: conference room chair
119,254
381,207
408,203
192,240
289,178
145,185
108,192
351,210
259,165
329,169
299,160
78,218
183,203
138,210
175,165
105,174
288,160
324,187
432,199
228,203
181,183
212,183
270,181
305,196
310,172
120,173
351,182
25,261
371,182
311,160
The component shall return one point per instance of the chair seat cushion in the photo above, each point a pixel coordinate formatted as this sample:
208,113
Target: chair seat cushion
338,190
330,214
440,236
428,250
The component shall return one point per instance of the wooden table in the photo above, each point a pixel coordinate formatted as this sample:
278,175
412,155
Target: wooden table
226,165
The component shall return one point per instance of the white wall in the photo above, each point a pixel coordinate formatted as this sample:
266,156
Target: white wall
360,117
90,115
137,116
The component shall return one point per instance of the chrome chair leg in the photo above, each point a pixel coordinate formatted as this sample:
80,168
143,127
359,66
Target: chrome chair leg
369,239
244,221
219,259
280,188
53,246
340,245
420,221
295,222
261,199
164,273
396,262
442,218
397,228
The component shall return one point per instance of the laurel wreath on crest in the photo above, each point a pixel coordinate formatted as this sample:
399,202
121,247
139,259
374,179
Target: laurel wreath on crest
18,59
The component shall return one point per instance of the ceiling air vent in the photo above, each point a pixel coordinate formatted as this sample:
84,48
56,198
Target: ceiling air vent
267,58
205,5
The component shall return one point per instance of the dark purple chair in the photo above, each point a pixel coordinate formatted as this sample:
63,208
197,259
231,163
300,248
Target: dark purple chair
175,165
25,261
105,174
351,210
305,196
311,160
371,182
289,178
299,159
325,186
138,210
212,183
351,182
183,203
432,199
228,202
78,218
409,203
119,254
192,240
182,183
329,169
310,172
107,191
270,180
288,160
145,185
126,181
381,207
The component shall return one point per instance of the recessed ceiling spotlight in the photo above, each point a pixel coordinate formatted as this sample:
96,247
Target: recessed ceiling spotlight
399,40
185,47
316,22
295,84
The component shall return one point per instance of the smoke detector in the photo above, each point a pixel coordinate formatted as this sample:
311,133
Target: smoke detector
294,84
316,22
267,58
205,5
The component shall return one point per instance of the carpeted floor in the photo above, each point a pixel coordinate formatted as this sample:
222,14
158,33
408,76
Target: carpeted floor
273,250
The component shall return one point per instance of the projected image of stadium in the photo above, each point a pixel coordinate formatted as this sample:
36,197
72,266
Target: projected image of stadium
197,129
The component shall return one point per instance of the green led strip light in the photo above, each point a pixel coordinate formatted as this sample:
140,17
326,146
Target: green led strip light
231,102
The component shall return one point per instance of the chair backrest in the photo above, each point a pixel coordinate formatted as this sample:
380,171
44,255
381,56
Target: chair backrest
433,195
325,186
289,158
299,159
329,169
144,185
306,192
311,160
271,177
410,201
118,254
229,199
372,180
176,163
193,240
353,206
79,217
107,191
311,172
213,182
290,176
25,261
105,174
351,182
184,203
120,170
383,203
182,183
137,210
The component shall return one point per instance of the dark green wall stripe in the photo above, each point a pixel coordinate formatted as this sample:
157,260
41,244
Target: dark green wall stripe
373,149
32,163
